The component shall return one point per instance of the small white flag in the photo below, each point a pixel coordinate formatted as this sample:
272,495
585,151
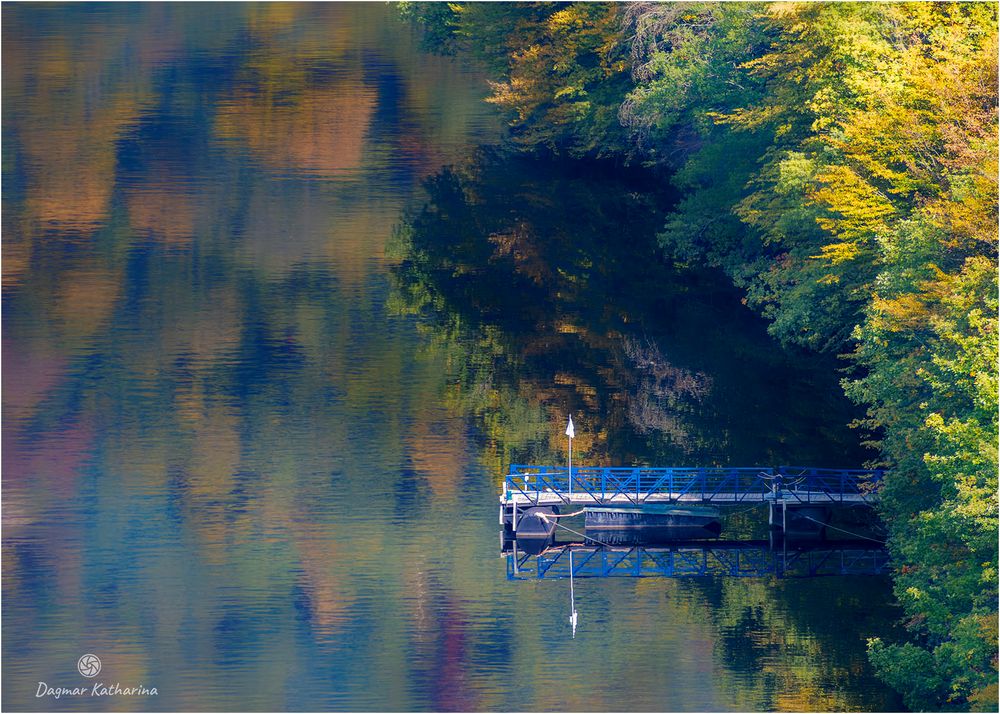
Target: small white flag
569,428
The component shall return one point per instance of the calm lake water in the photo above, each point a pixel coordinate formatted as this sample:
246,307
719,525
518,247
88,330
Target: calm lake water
265,359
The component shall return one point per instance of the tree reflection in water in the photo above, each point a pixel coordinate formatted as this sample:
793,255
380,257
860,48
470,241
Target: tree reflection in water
541,280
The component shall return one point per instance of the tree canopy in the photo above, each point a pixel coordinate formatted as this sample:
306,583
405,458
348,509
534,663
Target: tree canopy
839,162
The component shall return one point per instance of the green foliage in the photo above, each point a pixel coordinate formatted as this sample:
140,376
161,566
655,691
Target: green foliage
436,21
560,70
839,162
933,386
908,669
752,83
845,175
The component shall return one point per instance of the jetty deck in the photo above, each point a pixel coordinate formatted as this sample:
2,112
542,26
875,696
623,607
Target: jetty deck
528,485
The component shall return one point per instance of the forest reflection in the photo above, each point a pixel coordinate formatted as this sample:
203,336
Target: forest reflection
541,280
225,440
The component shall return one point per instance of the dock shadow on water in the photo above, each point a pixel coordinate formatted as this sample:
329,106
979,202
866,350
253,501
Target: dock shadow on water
252,435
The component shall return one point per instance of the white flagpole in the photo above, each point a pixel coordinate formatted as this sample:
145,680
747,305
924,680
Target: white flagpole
570,433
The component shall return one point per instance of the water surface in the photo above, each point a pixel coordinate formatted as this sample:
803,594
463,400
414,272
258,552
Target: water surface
265,359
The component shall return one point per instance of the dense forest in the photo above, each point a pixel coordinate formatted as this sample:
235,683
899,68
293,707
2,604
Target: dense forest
839,162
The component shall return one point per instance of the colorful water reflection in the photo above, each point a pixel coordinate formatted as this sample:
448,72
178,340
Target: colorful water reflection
236,465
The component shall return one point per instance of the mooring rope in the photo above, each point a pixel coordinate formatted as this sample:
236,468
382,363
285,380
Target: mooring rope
856,535
545,517
564,515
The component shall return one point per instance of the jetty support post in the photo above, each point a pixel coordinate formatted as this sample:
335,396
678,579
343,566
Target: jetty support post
772,517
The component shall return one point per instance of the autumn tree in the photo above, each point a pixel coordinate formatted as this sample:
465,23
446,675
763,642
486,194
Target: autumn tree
839,162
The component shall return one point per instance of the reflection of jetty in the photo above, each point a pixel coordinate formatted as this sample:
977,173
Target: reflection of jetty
736,559
798,497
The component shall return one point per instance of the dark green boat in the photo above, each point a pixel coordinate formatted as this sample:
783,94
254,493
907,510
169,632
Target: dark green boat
655,515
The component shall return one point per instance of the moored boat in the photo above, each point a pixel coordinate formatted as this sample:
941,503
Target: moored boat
655,515
535,522
652,535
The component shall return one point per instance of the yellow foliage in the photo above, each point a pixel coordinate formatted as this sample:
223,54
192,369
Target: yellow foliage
905,312
838,252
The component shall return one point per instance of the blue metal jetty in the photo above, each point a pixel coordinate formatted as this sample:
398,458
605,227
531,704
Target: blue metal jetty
745,559
552,485
788,487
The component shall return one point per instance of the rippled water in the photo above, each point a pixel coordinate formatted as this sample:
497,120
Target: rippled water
256,402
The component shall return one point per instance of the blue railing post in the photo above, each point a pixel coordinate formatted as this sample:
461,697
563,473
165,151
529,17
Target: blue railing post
604,482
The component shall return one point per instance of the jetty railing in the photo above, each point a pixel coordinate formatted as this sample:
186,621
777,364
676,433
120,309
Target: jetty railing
739,560
600,484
